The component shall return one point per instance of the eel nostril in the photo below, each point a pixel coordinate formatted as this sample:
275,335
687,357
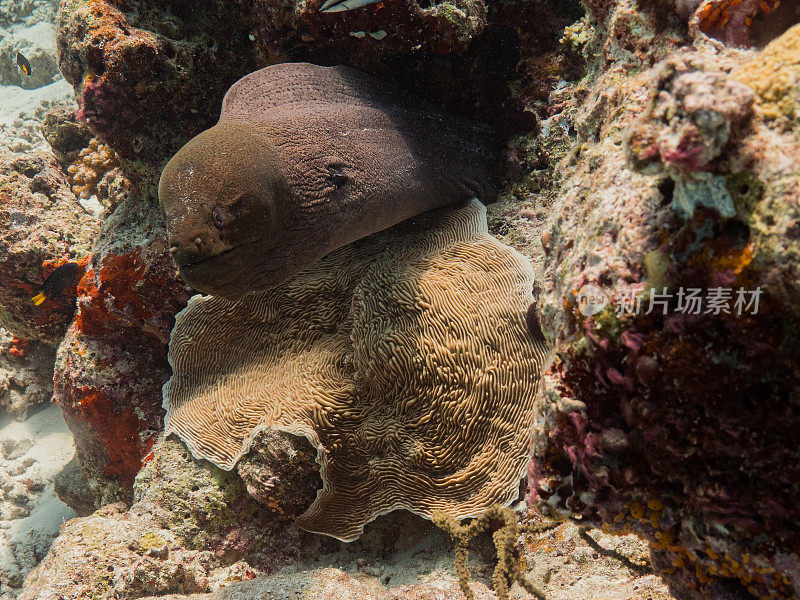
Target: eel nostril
198,242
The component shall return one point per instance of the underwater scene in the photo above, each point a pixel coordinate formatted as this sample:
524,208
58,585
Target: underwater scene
400,299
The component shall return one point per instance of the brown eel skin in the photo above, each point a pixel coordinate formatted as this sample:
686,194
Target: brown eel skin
305,159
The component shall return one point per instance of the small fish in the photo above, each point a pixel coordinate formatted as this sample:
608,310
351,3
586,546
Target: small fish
55,283
23,64
331,6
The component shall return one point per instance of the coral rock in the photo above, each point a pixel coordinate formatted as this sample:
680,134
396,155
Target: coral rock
775,76
193,533
137,87
40,222
660,417
112,363
26,374
388,28
691,120
280,472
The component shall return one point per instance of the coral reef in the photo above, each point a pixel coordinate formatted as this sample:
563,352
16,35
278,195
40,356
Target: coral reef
41,226
112,363
775,78
144,91
149,76
653,160
13,12
669,288
356,353
375,33
28,28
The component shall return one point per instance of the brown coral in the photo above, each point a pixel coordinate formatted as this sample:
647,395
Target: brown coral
510,567
404,358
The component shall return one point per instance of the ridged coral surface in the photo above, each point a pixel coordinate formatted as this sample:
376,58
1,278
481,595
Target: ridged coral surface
403,358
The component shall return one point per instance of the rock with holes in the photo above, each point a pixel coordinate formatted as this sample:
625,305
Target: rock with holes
403,358
149,76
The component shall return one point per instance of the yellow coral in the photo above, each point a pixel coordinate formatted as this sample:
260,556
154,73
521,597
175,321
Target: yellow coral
92,163
578,34
774,75
637,510
705,568
151,541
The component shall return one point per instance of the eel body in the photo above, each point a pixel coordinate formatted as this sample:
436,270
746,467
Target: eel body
305,159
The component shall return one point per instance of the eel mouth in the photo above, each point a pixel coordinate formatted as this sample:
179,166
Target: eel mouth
209,259
223,274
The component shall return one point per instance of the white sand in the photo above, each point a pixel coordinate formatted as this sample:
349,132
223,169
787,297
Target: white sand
31,453
21,113
22,110
18,104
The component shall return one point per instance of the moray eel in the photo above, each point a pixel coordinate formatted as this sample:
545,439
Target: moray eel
305,159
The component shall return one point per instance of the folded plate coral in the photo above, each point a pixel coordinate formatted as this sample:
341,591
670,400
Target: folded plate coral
404,358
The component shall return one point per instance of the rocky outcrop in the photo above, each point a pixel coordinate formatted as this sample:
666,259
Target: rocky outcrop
26,374
670,408
149,76
42,225
112,362
194,532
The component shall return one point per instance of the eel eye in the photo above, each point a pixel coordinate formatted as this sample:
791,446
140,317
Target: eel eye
337,177
218,218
